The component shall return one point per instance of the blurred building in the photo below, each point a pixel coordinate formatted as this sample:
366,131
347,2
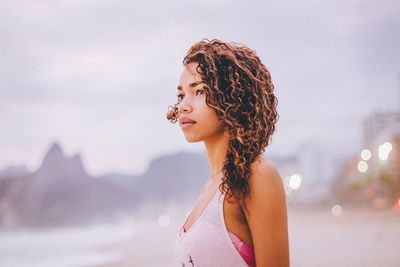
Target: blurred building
316,162
374,173
308,172
381,137
380,125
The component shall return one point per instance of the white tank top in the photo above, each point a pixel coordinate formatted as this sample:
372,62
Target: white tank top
207,243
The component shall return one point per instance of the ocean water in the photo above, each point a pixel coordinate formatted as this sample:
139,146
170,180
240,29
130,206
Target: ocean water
65,246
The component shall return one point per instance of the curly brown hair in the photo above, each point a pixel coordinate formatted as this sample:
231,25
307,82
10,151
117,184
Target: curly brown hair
240,90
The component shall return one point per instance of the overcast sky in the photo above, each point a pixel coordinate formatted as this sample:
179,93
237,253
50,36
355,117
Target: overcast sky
97,76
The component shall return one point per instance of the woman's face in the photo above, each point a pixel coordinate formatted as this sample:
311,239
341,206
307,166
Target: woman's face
198,121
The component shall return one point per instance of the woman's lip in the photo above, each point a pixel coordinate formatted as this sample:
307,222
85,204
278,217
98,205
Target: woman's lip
186,125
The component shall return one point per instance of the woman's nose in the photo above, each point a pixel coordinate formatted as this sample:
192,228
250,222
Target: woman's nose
184,107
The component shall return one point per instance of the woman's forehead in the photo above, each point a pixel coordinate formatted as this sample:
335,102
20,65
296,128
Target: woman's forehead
190,76
191,68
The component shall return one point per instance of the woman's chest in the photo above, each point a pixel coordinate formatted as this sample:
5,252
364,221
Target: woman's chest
233,216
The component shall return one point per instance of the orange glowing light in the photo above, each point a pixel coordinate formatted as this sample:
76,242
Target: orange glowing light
396,207
398,202
369,193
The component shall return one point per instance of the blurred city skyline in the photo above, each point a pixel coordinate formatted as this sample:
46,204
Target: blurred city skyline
98,77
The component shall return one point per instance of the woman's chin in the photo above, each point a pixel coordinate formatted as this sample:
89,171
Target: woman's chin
191,139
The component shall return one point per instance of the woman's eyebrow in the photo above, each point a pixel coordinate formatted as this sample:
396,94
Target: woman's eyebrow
190,85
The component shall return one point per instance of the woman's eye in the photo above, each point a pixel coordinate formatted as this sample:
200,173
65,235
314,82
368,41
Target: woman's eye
199,91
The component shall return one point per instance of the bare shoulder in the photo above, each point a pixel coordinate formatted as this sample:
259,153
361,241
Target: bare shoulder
265,179
267,193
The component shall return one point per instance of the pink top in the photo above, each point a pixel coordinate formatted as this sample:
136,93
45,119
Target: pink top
206,241
244,249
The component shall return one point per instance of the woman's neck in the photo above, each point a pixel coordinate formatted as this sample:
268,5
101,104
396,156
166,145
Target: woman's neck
216,153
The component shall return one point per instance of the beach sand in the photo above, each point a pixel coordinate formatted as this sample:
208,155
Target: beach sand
317,239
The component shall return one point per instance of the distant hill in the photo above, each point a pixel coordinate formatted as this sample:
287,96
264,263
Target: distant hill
61,192
13,171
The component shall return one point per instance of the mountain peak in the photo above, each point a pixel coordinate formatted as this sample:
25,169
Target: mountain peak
56,162
54,154
53,158
76,161
55,149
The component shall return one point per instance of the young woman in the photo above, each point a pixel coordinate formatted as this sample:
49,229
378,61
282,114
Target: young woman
226,100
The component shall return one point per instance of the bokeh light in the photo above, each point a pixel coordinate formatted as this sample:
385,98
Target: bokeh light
336,210
163,220
295,181
384,150
365,154
362,166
